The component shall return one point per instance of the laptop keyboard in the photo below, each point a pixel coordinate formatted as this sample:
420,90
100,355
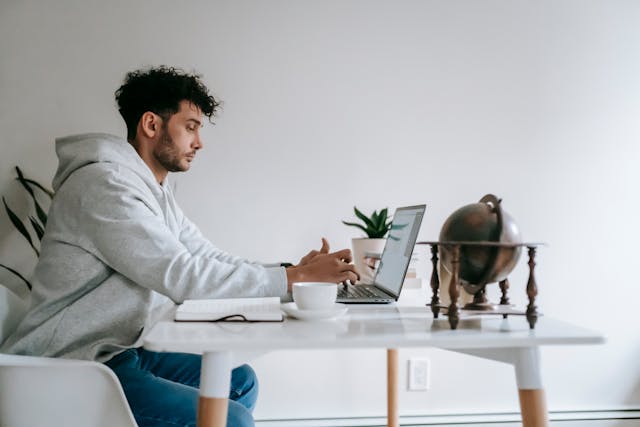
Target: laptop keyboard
359,292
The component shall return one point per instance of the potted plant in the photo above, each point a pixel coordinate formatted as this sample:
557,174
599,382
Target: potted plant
367,250
37,222
14,298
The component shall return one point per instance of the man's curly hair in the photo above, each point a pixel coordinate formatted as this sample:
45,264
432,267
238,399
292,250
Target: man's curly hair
160,90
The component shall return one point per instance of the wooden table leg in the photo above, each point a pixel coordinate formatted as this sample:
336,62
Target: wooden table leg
393,419
533,405
215,382
526,361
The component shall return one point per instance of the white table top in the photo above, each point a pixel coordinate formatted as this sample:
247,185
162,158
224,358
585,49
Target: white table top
388,326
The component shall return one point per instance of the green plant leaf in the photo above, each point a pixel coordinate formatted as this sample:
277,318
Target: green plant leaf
21,179
383,215
17,223
374,219
381,227
37,227
353,224
11,270
40,186
363,217
376,235
41,213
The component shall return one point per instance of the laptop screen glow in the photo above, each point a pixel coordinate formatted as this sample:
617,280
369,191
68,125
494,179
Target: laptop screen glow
398,249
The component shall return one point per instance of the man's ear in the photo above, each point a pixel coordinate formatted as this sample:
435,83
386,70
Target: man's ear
150,124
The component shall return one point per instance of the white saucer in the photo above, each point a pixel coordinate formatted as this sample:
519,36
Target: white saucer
292,310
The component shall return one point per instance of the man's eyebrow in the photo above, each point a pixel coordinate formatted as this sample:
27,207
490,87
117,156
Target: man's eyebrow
198,122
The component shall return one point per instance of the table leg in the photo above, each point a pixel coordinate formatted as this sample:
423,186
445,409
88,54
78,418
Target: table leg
533,405
215,382
526,361
392,388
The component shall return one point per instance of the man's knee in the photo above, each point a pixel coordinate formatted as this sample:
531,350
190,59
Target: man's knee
239,416
244,386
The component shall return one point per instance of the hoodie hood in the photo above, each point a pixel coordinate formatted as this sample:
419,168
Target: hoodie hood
76,151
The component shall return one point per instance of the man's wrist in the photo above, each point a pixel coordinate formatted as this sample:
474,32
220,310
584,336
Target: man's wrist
294,274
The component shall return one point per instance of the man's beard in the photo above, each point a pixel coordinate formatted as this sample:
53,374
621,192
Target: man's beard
167,154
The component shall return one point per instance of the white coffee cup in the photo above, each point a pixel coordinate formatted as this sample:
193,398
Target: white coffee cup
315,295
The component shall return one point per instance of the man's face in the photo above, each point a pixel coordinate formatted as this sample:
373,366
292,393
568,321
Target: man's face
179,138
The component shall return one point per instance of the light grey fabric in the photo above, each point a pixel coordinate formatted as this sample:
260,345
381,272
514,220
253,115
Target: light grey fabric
117,245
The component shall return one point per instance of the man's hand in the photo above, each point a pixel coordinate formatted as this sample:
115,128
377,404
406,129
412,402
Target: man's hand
344,254
322,266
311,255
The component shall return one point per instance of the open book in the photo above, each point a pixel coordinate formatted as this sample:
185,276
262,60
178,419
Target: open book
266,309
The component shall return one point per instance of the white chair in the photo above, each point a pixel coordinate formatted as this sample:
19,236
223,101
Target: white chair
48,392
42,392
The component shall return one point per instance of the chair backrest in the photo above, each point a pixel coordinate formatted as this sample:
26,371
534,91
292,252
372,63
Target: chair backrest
42,392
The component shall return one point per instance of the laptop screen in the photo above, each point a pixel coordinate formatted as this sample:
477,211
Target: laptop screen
398,249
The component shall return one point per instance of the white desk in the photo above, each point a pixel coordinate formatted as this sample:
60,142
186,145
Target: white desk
491,337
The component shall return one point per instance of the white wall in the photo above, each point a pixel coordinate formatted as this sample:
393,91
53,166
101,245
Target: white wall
328,104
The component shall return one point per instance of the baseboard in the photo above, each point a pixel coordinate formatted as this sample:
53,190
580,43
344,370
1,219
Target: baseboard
461,419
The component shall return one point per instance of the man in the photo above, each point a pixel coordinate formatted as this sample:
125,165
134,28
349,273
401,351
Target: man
118,250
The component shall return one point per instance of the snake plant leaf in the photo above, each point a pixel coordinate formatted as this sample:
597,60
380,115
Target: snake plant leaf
41,213
353,224
37,227
374,219
17,274
377,234
21,179
17,223
40,186
381,219
375,226
383,215
363,217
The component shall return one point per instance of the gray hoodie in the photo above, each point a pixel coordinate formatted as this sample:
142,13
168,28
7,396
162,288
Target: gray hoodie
116,245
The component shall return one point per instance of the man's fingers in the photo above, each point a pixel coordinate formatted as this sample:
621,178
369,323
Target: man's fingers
344,254
347,267
350,276
325,246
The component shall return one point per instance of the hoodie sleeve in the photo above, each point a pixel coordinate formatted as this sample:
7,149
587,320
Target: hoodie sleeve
121,223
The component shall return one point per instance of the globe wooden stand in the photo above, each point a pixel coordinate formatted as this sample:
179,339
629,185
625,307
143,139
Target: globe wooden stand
480,303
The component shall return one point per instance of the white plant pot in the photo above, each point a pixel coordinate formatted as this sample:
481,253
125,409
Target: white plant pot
361,247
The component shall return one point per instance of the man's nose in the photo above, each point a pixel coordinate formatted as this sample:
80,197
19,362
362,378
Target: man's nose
197,144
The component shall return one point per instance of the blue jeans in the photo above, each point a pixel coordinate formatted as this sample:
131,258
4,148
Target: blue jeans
162,388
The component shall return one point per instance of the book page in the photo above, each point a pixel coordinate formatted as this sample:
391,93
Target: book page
231,309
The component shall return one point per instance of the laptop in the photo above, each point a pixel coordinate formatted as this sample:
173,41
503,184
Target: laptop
393,264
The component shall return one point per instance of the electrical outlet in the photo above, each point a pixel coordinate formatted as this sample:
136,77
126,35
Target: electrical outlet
419,374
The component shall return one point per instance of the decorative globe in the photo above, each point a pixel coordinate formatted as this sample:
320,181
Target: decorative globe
484,221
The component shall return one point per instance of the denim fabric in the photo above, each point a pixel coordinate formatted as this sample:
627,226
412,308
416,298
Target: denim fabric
162,388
